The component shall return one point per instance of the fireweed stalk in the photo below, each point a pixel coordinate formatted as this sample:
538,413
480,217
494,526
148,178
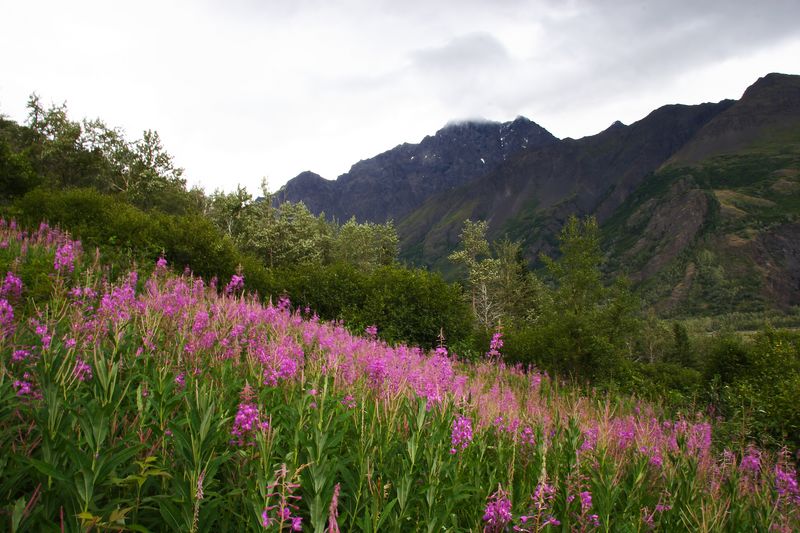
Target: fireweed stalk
167,403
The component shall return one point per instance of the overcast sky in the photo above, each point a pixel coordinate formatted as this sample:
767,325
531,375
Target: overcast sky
240,89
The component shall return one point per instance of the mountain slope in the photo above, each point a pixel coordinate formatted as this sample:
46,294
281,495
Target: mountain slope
768,109
529,196
718,227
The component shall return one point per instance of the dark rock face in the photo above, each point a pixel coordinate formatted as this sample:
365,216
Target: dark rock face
315,191
394,183
778,253
673,224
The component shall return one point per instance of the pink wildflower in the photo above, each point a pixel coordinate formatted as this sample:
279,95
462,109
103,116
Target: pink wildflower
333,511
65,258
236,284
161,264
12,286
751,463
82,371
494,346
461,435
6,318
498,511
23,388
348,401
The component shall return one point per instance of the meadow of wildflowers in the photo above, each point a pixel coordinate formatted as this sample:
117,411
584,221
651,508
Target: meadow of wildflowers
162,403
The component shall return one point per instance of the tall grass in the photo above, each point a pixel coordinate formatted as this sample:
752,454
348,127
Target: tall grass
165,404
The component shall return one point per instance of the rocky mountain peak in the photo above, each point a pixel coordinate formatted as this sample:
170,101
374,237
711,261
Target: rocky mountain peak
394,183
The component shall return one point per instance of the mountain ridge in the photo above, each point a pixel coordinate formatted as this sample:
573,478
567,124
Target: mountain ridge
393,183
681,195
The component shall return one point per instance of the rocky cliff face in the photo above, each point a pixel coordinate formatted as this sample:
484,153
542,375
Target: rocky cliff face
394,183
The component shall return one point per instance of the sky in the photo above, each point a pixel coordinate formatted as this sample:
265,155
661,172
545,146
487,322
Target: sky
241,90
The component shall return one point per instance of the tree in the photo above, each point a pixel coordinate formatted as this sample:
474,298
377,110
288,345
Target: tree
16,174
500,287
366,245
474,249
681,351
228,211
152,169
588,328
577,271
518,290
56,147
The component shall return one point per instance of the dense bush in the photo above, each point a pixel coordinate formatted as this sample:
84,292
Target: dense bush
582,328
405,305
757,384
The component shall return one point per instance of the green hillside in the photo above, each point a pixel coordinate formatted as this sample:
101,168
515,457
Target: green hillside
720,235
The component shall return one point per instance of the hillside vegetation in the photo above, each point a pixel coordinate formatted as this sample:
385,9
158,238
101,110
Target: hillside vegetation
161,403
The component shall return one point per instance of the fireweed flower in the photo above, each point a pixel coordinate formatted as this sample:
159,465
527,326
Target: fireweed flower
23,388
6,318
461,435
82,371
497,513
43,333
371,331
236,284
284,491
333,511
586,500
65,258
786,484
528,436
589,439
751,463
20,355
11,287
494,346
539,517
248,420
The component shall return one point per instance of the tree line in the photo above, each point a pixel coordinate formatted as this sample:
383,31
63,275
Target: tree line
130,199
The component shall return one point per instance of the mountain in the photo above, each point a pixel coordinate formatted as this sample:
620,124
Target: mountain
530,196
769,107
718,226
698,204
391,185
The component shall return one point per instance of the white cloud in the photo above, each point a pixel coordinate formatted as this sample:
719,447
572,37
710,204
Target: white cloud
246,88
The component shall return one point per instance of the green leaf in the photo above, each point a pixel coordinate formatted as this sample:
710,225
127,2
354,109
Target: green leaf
385,513
48,470
17,514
